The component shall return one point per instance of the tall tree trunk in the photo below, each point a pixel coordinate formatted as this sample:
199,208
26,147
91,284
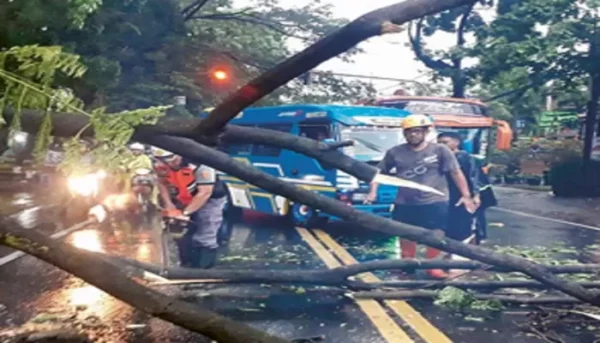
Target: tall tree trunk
590,121
458,85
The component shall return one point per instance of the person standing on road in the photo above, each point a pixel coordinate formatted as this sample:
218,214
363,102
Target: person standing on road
195,194
460,221
426,163
487,199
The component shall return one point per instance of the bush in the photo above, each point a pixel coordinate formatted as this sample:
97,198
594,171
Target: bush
568,180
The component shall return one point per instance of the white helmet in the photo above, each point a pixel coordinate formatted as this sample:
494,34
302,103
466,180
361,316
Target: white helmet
136,146
158,152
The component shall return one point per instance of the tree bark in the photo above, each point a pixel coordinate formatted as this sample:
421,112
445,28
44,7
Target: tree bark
336,276
101,273
220,161
69,124
416,294
367,26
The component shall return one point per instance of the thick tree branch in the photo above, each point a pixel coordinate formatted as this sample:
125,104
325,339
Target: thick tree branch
416,294
385,295
460,34
101,273
417,47
192,9
365,27
220,161
339,276
68,125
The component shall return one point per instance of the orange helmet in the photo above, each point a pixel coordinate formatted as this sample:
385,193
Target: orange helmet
416,120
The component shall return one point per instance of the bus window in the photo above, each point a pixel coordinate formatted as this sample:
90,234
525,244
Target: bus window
317,132
267,150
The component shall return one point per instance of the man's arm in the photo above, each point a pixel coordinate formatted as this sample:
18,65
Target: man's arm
385,165
205,178
163,191
449,164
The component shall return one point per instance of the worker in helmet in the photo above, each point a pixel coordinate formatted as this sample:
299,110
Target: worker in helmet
425,162
195,193
140,161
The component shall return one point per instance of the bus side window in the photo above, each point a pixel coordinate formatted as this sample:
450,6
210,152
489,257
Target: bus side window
267,150
317,132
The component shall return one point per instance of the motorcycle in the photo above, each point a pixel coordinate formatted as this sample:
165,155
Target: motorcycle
85,191
142,185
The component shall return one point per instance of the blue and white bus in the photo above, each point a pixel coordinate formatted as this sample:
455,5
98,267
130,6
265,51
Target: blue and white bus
373,129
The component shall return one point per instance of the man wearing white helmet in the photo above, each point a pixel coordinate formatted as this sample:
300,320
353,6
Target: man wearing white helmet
193,192
427,163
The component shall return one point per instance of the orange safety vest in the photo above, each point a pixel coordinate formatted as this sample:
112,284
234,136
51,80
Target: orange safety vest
180,183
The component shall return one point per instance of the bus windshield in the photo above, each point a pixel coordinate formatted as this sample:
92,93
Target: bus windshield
370,141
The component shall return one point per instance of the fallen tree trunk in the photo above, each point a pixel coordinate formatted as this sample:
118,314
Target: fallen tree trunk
103,274
69,124
264,294
224,163
418,294
336,276
372,24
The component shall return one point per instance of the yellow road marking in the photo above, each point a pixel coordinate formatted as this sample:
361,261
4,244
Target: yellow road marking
387,327
412,317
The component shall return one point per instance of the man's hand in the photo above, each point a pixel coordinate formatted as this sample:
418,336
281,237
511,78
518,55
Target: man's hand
371,196
477,200
175,213
469,204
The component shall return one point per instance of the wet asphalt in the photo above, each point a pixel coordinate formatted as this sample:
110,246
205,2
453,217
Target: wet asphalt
524,219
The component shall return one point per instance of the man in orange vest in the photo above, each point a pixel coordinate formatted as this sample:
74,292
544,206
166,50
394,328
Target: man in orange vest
196,194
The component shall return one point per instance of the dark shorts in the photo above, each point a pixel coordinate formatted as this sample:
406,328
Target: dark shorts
431,216
460,223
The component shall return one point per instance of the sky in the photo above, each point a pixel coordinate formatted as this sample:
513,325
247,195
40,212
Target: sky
385,56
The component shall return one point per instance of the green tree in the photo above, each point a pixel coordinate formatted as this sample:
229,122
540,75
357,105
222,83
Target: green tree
143,53
552,40
461,22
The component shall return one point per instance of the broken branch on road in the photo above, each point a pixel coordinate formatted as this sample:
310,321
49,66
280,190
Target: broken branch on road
223,162
339,276
108,277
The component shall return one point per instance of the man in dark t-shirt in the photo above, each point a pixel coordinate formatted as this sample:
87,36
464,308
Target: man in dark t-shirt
460,221
428,164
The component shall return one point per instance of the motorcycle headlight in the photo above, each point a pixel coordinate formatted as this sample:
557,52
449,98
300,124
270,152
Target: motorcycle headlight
86,185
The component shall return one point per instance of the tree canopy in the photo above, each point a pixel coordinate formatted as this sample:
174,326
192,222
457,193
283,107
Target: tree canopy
143,53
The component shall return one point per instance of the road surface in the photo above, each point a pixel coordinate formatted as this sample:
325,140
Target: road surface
29,287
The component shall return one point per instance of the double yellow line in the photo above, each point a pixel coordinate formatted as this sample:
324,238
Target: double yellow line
328,249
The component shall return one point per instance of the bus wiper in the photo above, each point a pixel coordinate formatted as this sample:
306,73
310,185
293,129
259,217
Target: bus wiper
370,145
